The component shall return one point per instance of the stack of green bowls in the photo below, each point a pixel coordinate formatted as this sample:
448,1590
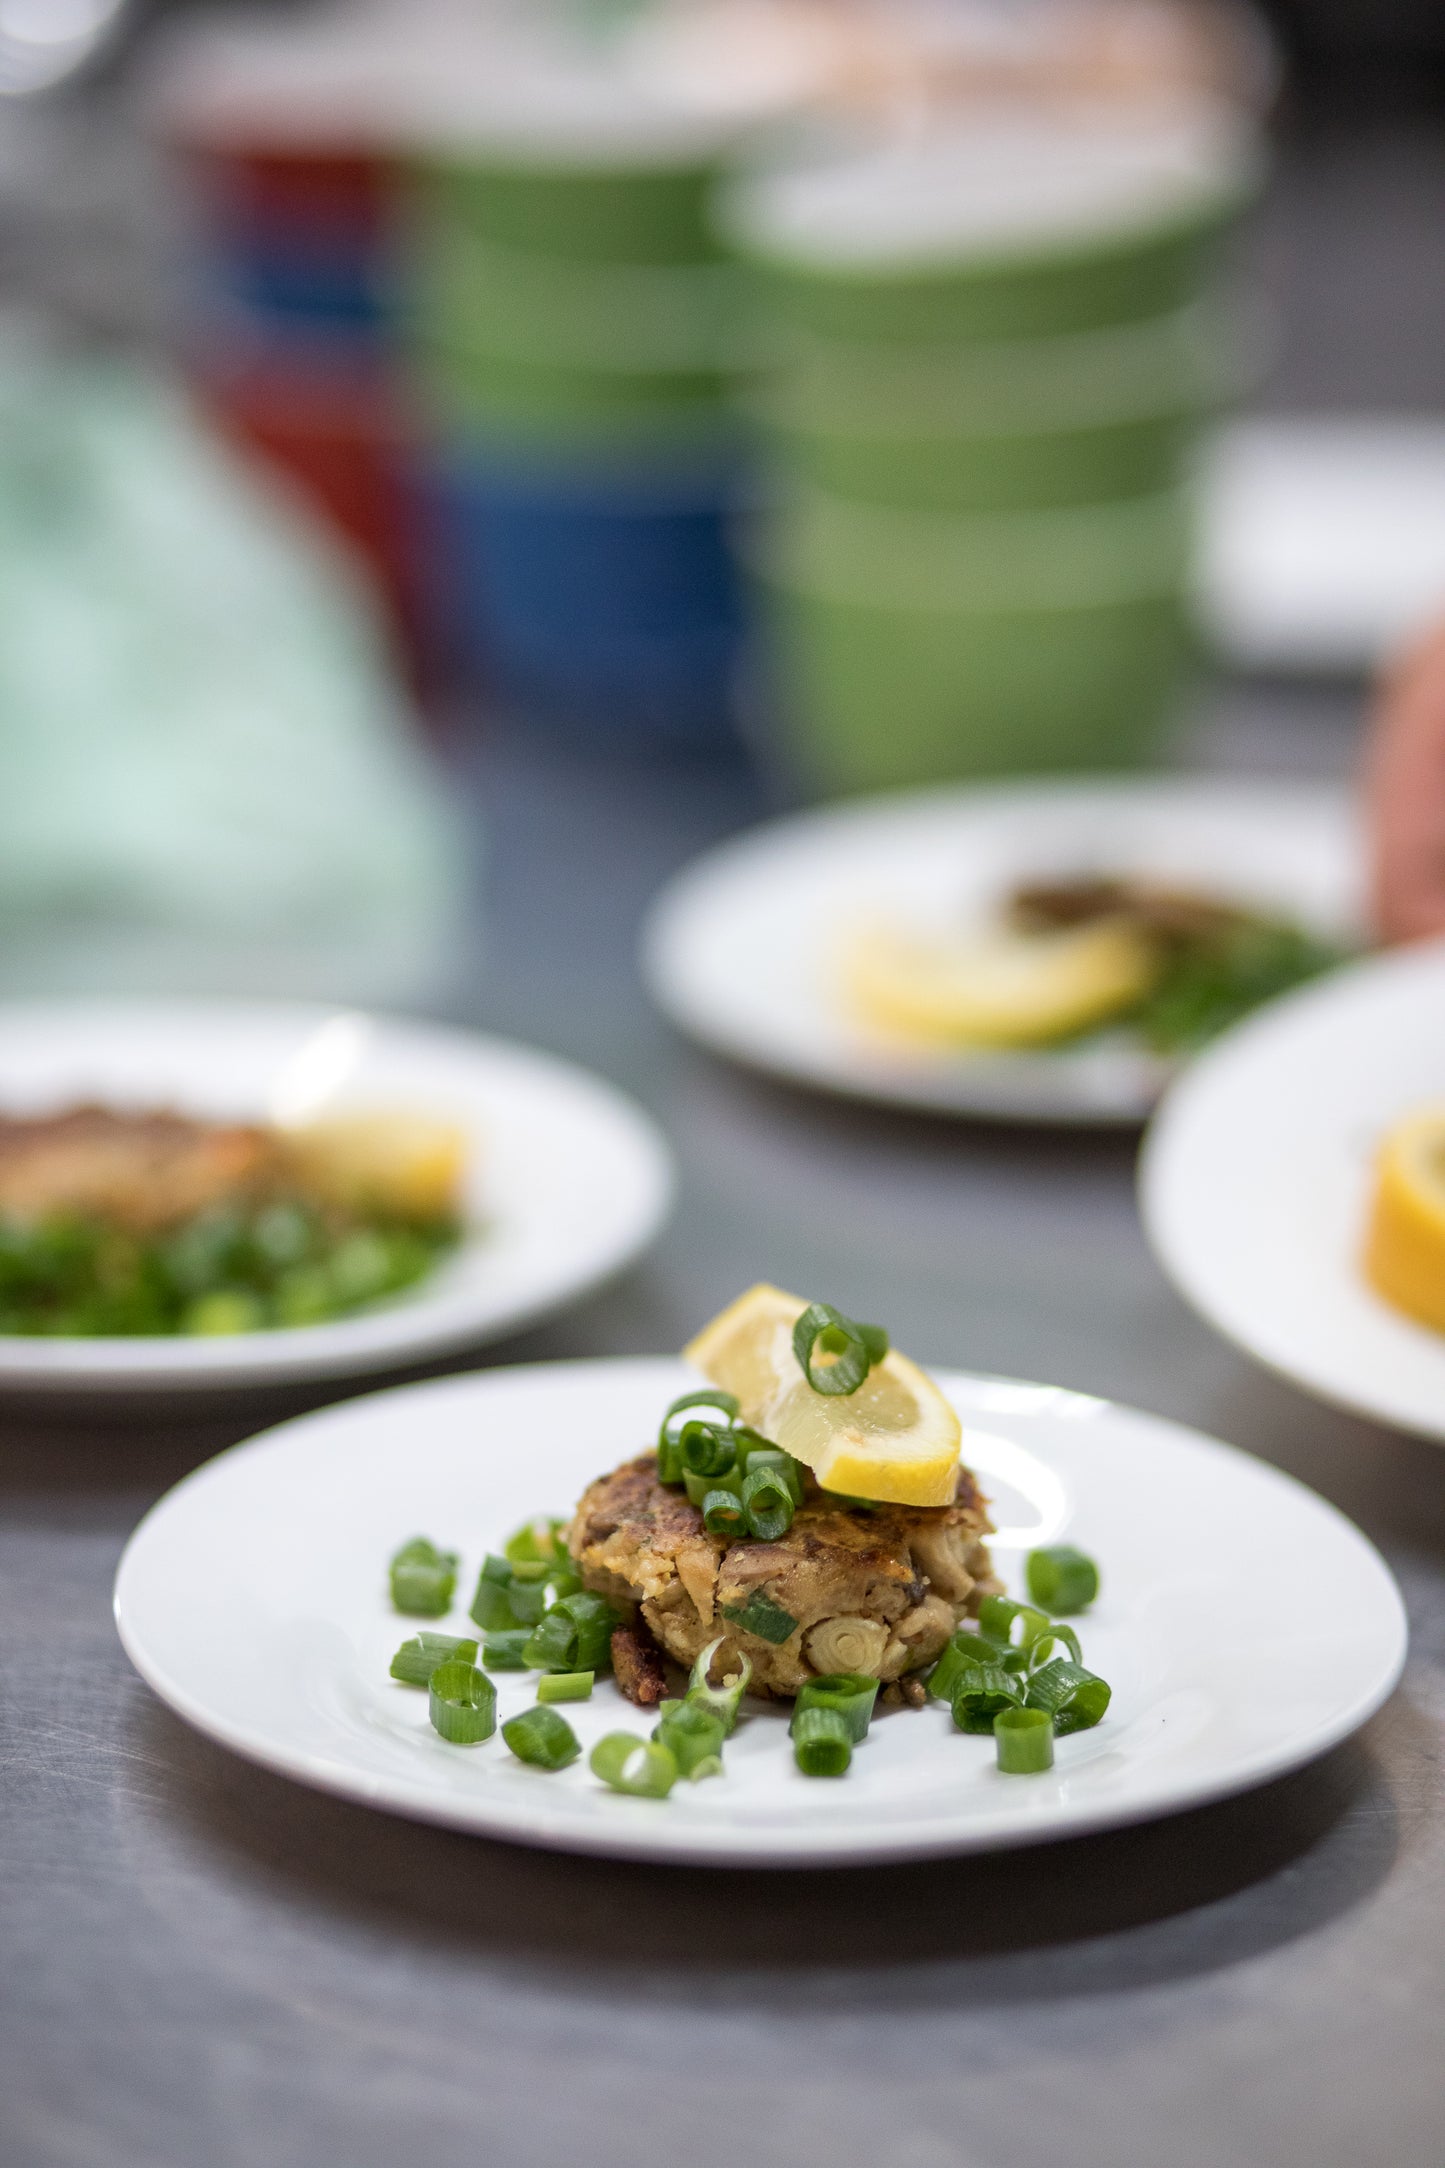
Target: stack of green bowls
566,285
570,324
993,356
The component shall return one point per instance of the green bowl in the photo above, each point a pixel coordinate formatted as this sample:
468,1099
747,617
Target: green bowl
640,318
576,209
1122,269
986,471
890,669
1022,425
460,387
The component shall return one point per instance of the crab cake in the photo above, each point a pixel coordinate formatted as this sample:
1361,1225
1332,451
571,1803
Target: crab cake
875,1589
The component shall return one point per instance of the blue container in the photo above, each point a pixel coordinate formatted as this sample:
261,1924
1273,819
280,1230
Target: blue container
597,598
296,287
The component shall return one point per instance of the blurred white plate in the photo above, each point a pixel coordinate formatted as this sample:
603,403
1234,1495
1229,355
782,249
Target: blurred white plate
1255,1183
737,949
1323,545
568,1181
253,1599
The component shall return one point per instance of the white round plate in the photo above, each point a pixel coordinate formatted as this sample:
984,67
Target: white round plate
737,950
1255,1183
568,1182
253,1600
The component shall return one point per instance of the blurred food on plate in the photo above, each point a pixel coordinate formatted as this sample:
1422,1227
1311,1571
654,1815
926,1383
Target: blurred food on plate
122,1221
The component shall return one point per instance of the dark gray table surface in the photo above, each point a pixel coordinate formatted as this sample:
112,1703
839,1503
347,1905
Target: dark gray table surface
206,1967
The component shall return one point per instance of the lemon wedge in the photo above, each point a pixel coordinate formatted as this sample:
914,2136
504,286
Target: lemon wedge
895,1440
997,988
1405,1244
410,1164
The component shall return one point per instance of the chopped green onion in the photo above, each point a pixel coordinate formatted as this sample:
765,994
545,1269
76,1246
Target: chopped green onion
640,1767
503,1651
594,1618
723,1515
761,1616
721,1701
1062,1579
767,1501
997,1616
1076,1699
669,1461
822,1742
980,1694
691,1733
416,1660
564,1581
423,1579
706,1449
849,1693
854,1349
965,1651
1024,1739
709,1766
709,1397
463,1703
566,1686
552,1645
528,1600
535,1542
700,1487
492,1604
543,1738
1054,1636
530,1572
683,1411
772,1456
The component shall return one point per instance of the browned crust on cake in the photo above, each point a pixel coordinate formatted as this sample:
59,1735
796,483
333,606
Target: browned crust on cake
885,1585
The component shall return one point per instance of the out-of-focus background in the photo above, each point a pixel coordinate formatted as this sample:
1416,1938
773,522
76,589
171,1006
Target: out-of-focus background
763,399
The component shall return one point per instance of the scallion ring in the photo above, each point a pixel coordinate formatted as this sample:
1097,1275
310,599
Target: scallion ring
721,1701
850,1693
642,1768
463,1703
767,1501
1076,1699
416,1660
691,1733
1061,1579
982,1693
699,1486
853,1349
686,1409
566,1686
423,1579
543,1738
706,1448
997,1616
1024,1741
723,1514
822,1742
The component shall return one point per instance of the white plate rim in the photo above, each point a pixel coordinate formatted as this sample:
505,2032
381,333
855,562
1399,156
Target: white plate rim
1167,1136
777,1849
1019,1088
417,1327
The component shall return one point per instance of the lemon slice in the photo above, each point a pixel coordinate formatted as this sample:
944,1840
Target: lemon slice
410,1164
1405,1245
998,988
896,1439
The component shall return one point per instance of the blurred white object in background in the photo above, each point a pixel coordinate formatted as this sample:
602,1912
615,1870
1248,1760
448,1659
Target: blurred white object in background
208,781
1324,539
42,42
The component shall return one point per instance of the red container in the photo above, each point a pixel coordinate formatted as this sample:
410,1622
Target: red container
341,198
342,438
